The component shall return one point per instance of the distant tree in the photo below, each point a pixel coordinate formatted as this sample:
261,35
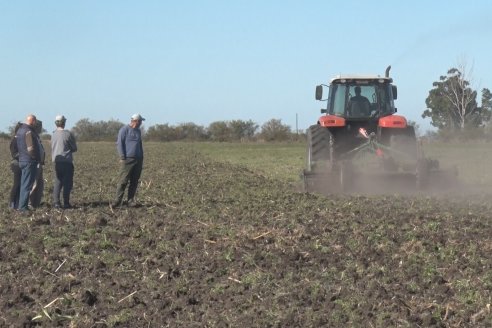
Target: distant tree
486,108
274,130
452,104
219,131
161,132
190,131
234,130
86,130
242,129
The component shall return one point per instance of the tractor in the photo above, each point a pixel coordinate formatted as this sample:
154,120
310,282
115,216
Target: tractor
360,143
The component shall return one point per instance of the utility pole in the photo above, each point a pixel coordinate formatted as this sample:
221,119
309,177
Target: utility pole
297,125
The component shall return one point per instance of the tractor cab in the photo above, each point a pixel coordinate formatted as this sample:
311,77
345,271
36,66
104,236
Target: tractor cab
359,98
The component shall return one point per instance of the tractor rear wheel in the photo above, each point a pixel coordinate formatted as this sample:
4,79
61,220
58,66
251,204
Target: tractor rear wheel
320,148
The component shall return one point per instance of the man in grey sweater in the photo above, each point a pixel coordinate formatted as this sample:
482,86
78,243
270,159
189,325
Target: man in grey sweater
63,145
130,151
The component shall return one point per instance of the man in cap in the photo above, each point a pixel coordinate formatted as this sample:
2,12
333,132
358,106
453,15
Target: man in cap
63,145
29,159
130,151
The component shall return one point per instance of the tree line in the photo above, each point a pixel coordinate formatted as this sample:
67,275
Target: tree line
234,130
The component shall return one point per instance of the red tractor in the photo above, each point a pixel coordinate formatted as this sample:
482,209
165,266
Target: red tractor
360,136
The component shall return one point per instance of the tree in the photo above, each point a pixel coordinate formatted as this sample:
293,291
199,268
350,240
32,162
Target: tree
86,130
486,108
242,129
274,130
161,132
452,104
190,131
219,131
234,130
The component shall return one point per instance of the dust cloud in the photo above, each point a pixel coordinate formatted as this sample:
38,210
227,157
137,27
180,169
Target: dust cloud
463,171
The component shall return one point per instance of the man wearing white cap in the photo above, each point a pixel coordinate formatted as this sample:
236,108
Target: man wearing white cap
63,145
130,150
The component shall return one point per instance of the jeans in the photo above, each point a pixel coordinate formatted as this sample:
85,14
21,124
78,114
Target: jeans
63,179
28,176
36,194
130,171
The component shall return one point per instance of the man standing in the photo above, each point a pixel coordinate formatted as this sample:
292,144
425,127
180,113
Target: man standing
14,166
130,150
36,193
29,159
63,145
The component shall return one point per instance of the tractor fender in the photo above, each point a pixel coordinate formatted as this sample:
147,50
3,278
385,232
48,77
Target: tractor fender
330,121
393,121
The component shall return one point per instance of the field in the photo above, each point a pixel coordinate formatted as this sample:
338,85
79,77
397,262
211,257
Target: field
224,238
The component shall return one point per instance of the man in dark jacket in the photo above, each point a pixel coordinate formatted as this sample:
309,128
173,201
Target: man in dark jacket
29,159
130,150
36,194
16,171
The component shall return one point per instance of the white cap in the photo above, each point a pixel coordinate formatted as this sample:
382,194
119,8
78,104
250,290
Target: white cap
137,117
60,118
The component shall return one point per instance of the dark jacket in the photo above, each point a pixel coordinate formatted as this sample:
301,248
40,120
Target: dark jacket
14,151
28,144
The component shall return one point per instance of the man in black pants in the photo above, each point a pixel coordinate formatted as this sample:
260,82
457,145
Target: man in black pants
130,150
63,145
16,171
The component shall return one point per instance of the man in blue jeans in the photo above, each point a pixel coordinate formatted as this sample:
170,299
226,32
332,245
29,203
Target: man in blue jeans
29,159
130,150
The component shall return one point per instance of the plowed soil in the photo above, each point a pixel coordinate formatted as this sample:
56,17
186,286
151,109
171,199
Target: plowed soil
222,245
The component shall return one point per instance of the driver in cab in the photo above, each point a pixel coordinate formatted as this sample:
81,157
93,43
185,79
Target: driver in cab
359,106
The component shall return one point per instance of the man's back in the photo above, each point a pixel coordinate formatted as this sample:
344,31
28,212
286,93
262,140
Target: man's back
62,146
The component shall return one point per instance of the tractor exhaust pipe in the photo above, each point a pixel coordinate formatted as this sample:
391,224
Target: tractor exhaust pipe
387,72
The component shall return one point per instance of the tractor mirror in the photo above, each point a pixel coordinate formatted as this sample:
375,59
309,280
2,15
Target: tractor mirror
319,92
394,91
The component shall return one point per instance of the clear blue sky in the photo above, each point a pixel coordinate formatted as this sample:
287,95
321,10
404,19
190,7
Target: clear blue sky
205,61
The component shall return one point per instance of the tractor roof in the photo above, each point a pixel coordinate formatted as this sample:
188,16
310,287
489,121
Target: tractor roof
354,78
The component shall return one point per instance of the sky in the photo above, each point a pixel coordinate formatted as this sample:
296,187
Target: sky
203,61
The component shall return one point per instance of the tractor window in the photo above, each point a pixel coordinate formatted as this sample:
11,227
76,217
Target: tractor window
385,96
337,99
362,100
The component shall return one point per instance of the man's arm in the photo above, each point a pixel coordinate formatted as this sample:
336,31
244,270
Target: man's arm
72,143
31,144
120,143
